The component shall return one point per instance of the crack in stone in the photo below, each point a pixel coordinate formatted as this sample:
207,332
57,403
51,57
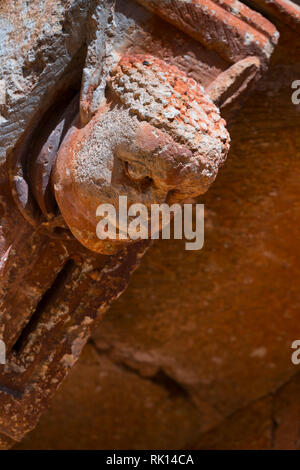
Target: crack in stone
176,389
160,378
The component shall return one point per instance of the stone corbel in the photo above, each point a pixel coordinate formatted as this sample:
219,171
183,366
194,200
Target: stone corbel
157,76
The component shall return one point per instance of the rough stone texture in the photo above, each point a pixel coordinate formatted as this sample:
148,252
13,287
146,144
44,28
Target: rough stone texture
47,321
287,11
168,99
39,40
203,339
231,27
44,320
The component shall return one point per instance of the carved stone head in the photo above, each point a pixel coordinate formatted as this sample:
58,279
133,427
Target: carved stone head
157,138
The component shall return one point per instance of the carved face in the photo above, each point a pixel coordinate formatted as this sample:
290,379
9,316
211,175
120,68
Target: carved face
158,139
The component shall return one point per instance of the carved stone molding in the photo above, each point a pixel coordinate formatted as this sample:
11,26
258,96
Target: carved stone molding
288,11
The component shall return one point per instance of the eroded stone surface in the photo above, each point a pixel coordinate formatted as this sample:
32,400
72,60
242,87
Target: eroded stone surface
219,322
233,29
64,317
38,42
166,98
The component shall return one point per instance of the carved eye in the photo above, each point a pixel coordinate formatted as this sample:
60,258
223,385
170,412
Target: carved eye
136,171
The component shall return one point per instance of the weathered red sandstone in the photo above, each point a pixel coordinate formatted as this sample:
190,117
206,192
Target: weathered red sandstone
124,81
